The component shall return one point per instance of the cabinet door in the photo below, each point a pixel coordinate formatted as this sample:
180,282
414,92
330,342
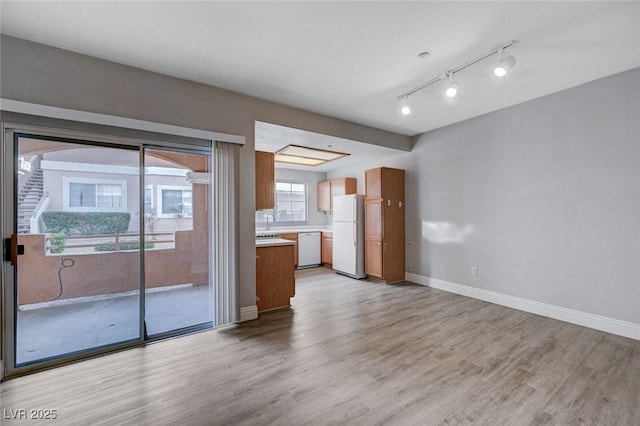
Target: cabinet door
265,181
373,256
275,277
392,185
373,218
324,196
292,237
373,183
287,272
350,186
327,249
337,187
263,280
344,186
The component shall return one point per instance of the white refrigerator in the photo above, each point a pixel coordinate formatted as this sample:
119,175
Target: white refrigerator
348,235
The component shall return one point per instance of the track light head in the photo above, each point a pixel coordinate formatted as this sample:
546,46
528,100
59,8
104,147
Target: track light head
452,89
504,66
405,107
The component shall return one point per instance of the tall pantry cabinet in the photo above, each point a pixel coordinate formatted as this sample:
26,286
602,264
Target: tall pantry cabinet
384,234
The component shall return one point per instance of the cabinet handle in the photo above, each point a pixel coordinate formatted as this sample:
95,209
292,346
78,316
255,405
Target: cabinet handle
400,204
389,203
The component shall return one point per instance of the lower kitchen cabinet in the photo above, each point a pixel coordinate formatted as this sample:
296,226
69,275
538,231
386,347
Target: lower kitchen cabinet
292,237
326,250
275,277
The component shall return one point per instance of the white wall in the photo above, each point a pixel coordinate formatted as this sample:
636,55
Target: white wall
543,197
311,179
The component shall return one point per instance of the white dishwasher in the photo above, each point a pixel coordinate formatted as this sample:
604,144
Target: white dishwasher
308,249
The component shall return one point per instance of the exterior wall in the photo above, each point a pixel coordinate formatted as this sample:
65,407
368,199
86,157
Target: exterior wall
54,181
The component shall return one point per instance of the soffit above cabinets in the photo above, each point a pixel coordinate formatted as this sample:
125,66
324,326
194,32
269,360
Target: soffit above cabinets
272,138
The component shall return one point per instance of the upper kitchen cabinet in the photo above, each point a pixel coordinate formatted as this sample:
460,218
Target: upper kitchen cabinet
384,183
384,224
324,196
265,180
329,188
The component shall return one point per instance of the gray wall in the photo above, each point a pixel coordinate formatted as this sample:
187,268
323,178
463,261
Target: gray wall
41,74
311,179
543,197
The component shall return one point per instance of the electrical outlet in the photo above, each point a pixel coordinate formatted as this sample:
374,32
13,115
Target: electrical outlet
474,270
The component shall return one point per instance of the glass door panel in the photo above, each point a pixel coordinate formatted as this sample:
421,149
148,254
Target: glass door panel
77,215
177,230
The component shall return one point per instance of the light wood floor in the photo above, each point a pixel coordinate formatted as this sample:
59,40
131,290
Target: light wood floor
358,353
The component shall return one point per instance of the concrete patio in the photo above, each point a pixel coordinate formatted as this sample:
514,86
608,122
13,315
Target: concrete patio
54,329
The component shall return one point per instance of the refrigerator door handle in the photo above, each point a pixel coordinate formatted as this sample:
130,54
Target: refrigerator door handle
355,208
354,235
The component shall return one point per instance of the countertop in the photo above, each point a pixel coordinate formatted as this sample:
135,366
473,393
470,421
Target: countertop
295,230
270,242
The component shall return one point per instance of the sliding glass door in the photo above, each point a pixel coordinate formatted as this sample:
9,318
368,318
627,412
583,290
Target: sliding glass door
108,244
177,252
78,281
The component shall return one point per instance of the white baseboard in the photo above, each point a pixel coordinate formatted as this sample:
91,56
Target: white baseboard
585,319
248,313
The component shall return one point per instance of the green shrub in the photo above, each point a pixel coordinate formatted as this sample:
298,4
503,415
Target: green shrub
76,223
57,242
133,245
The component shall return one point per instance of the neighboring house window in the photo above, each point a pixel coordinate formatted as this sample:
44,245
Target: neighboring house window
174,201
291,202
94,195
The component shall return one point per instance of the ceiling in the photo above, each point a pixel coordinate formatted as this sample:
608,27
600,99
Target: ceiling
349,59
272,137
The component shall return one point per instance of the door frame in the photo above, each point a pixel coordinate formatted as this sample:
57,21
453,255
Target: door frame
8,219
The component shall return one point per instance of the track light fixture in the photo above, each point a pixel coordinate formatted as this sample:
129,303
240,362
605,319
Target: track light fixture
405,107
504,66
452,89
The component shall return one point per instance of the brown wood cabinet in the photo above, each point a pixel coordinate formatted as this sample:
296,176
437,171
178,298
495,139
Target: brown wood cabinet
275,277
328,188
324,196
326,248
384,224
265,181
292,237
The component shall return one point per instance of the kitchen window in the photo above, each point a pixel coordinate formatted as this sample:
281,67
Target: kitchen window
291,202
291,206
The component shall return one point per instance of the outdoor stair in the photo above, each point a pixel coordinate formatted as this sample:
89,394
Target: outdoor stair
28,198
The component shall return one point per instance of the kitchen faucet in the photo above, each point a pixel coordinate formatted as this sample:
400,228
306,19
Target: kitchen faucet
273,220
